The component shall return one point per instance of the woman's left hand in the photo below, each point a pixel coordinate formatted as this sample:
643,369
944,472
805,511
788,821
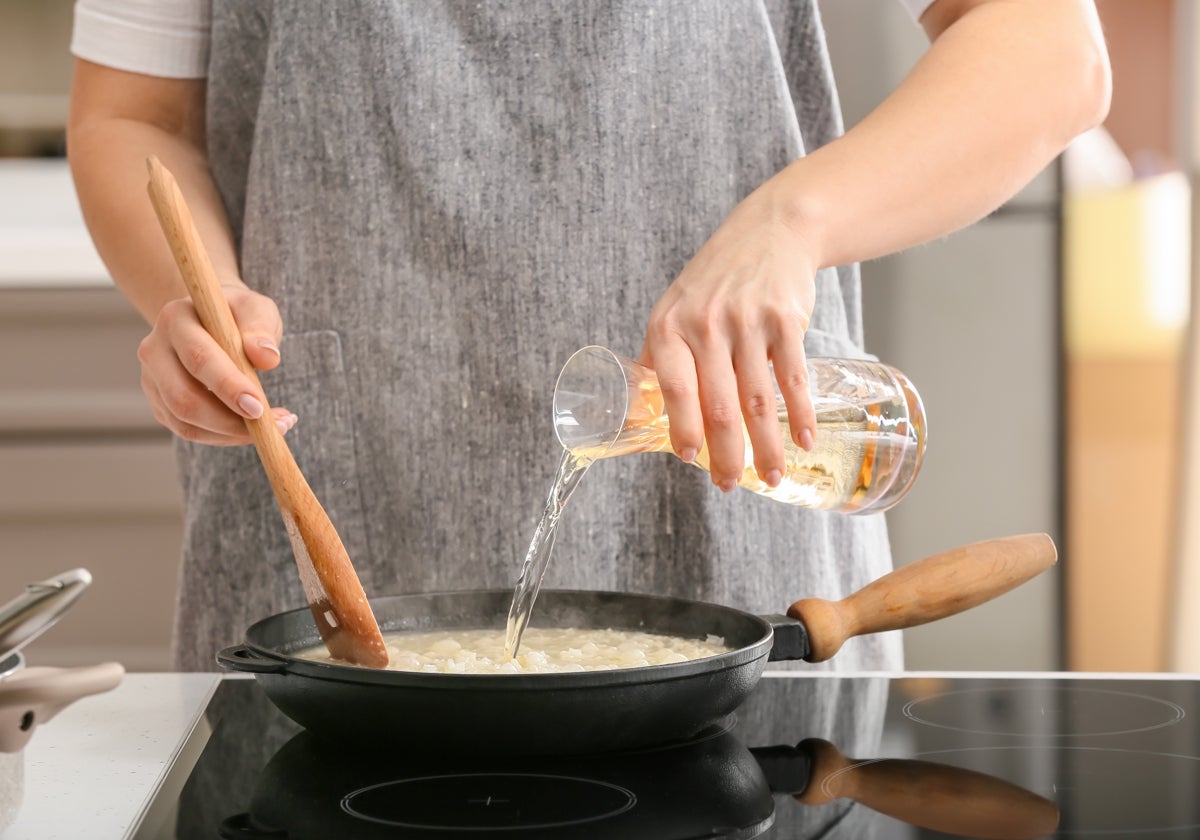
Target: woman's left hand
742,304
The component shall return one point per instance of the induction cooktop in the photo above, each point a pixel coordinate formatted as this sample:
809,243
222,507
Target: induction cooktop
807,756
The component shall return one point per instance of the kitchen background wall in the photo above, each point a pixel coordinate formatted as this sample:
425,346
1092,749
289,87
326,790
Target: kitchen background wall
34,78
973,320
981,321
86,476
1051,343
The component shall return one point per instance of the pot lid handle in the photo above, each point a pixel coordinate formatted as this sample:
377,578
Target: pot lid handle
32,612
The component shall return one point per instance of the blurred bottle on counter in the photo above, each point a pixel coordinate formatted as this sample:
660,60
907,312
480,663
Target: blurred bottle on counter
867,450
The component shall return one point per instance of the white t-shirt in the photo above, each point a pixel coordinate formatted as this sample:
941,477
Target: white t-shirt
169,38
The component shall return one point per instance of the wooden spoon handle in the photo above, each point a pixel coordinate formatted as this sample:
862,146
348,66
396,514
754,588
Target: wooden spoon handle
200,278
331,586
932,588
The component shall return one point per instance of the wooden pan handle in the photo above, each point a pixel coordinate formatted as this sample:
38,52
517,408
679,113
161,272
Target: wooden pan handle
947,799
935,587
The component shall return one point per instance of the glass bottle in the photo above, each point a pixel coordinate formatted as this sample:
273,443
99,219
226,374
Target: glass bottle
867,450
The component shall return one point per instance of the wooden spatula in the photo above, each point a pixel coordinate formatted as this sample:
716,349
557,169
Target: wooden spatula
334,593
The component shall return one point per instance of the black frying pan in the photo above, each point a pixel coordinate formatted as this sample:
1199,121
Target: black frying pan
600,711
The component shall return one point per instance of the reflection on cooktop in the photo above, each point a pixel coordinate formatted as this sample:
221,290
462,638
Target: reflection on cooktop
807,756
312,789
1101,791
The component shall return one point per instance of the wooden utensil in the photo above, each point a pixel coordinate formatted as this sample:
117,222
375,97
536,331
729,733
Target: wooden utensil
335,595
934,587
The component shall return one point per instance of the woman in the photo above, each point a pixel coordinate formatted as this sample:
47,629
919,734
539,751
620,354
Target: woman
420,209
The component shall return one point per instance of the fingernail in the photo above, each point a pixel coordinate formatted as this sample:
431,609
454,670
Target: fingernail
806,440
251,407
284,424
773,478
688,454
267,344
728,485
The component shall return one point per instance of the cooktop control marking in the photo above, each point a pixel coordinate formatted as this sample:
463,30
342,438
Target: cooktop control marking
1066,712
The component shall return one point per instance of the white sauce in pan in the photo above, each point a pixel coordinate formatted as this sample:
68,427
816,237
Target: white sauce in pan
543,650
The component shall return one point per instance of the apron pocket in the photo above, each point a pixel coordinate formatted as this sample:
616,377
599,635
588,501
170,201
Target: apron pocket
311,382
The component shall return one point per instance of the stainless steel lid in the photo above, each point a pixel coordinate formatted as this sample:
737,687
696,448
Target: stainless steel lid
32,612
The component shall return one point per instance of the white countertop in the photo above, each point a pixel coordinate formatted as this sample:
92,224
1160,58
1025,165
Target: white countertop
43,241
92,770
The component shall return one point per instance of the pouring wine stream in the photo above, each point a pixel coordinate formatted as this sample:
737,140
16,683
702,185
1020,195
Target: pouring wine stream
570,471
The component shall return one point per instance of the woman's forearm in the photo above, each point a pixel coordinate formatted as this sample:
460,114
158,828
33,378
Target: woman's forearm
111,133
117,121
1004,87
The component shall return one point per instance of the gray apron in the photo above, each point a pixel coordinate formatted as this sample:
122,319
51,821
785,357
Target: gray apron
446,199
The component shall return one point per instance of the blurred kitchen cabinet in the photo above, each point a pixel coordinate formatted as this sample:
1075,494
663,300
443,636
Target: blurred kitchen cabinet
87,477
1183,644
1126,314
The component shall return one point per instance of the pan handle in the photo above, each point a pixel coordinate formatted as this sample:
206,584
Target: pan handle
789,640
245,827
242,658
935,587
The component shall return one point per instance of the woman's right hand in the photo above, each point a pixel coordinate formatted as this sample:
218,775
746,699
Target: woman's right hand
194,388
118,119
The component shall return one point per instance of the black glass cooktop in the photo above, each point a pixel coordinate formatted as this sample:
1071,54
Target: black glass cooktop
807,756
